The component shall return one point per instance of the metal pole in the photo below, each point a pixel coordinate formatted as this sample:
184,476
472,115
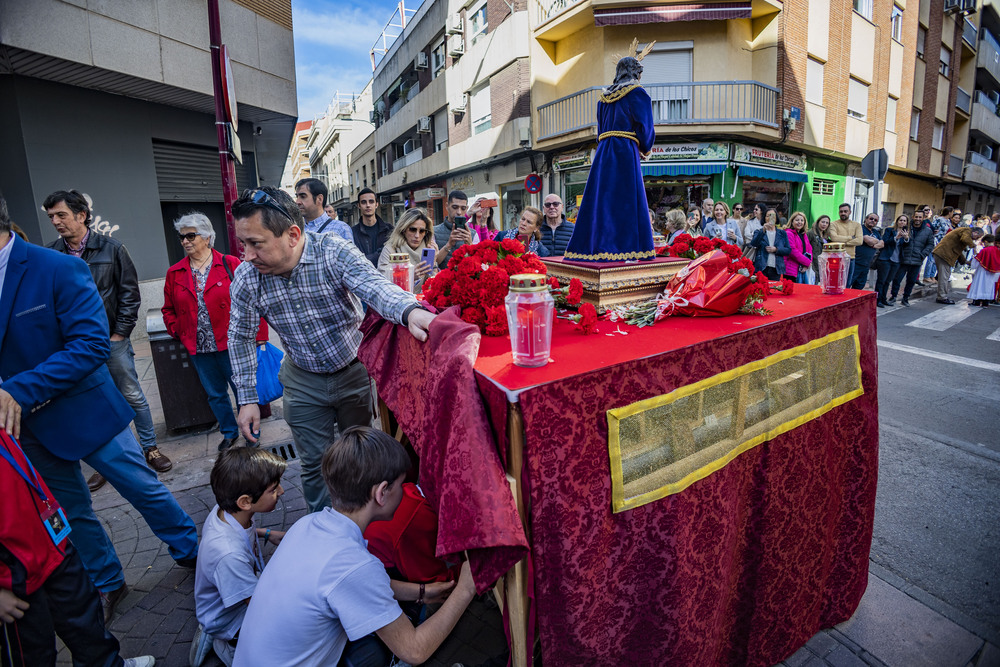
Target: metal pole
226,162
876,206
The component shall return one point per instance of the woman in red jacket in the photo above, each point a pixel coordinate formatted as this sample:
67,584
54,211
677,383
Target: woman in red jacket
196,312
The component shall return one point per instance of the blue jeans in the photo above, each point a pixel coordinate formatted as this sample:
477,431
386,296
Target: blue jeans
216,377
366,652
930,267
121,462
121,363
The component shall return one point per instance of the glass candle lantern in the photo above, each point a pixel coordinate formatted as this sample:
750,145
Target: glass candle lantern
401,271
834,266
659,242
530,314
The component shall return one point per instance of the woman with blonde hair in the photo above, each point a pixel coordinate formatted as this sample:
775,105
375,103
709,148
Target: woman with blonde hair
413,232
528,231
800,252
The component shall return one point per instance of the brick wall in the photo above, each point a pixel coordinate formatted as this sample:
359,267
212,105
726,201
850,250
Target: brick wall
837,73
497,11
956,65
932,46
792,55
509,93
459,128
878,91
904,109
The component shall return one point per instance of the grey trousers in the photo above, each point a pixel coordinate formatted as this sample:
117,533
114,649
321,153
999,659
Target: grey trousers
315,405
943,277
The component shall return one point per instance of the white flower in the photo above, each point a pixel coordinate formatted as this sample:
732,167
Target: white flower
484,266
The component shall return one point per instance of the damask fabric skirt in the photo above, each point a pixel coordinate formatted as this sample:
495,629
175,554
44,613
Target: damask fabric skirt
613,222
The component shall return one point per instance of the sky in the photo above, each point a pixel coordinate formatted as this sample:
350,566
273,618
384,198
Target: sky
333,39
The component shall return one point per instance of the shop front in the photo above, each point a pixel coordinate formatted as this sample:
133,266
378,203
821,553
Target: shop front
574,168
433,199
772,178
681,175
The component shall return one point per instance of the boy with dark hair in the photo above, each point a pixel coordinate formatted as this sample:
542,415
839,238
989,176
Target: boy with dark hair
245,480
324,594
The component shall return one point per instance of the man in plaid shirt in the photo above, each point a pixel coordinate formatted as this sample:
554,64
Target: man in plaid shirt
307,287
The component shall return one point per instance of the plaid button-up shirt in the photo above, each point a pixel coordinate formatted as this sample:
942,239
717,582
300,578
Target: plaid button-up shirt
315,310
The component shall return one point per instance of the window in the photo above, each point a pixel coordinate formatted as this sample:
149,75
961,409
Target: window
670,62
945,66
814,81
437,58
482,112
441,129
890,114
897,23
823,187
477,22
921,40
864,7
914,124
938,140
857,99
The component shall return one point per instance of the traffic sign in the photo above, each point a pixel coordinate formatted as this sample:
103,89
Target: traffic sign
875,164
533,183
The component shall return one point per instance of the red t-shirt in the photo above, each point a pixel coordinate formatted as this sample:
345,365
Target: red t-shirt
27,553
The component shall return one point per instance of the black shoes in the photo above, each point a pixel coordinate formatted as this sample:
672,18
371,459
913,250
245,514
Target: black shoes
110,600
188,563
96,481
891,302
904,302
947,302
880,304
227,443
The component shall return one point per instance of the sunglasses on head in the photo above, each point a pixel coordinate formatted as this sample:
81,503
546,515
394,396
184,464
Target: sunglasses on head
261,198
552,204
190,236
416,230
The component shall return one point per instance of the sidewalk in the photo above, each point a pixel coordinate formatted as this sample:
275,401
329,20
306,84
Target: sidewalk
896,625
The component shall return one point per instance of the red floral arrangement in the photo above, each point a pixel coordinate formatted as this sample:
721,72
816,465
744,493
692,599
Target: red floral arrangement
477,279
784,286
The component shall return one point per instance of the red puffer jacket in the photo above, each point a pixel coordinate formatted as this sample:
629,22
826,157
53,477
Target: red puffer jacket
180,302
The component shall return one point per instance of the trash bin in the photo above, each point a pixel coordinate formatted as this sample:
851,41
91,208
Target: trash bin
183,399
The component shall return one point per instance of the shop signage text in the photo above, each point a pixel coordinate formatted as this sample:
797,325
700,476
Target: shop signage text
428,193
766,156
463,182
573,160
691,151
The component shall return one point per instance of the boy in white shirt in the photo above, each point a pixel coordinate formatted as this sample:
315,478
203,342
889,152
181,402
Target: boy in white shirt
323,595
245,480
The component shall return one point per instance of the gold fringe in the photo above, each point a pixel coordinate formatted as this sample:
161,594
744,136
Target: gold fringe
618,94
612,256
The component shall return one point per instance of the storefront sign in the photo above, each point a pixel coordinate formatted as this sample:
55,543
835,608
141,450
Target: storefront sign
766,156
466,182
428,193
692,151
573,160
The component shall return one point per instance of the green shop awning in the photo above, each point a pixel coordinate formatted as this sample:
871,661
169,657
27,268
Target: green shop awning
747,171
688,169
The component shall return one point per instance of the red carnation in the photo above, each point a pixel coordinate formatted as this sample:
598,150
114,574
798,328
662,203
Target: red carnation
575,292
487,255
588,318
474,315
679,248
787,286
703,245
512,265
718,243
732,251
553,282
489,245
496,321
683,238
512,246
533,264
469,266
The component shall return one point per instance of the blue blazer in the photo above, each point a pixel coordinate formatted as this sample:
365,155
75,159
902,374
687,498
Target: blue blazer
53,348
781,248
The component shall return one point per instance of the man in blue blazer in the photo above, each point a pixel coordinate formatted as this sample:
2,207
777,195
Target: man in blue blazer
57,396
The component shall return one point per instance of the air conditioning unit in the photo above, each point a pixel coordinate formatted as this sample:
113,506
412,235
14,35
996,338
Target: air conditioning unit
421,60
951,6
986,152
461,105
455,24
968,7
994,97
456,45
424,125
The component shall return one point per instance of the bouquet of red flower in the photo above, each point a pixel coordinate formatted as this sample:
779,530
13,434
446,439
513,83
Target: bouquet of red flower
477,280
713,285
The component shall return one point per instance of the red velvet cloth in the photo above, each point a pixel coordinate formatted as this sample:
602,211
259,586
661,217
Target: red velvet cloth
742,567
431,389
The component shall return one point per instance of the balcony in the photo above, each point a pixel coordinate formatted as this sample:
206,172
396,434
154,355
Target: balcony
955,164
969,33
988,56
985,120
413,156
981,175
546,9
964,102
701,102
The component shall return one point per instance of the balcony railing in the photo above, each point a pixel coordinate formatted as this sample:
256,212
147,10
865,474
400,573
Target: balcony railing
701,102
549,8
964,101
986,101
986,121
969,33
408,159
955,165
975,173
988,55
980,160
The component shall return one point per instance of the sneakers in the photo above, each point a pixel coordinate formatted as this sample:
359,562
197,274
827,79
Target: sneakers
157,461
141,661
96,481
110,600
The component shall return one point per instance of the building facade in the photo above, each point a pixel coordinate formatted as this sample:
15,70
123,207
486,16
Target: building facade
344,125
116,100
452,106
297,162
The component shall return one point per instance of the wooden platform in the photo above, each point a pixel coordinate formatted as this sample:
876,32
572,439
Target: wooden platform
609,284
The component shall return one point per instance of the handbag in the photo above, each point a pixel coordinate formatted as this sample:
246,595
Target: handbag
268,364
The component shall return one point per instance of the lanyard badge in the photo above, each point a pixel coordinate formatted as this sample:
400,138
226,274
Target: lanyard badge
53,518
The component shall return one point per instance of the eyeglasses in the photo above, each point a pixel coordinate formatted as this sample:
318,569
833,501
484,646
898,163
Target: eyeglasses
552,204
737,208
261,198
416,230
190,236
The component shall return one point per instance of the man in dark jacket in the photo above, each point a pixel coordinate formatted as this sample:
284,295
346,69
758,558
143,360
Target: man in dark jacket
372,232
556,232
864,254
912,256
118,284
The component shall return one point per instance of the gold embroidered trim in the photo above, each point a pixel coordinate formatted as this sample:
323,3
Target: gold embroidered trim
617,133
612,256
608,98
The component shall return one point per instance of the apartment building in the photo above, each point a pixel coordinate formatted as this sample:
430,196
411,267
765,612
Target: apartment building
297,162
344,125
115,99
766,101
452,105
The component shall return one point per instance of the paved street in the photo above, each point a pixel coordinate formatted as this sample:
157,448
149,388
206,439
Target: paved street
932,597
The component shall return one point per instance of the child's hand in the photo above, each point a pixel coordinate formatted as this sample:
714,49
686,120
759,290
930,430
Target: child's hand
465,581
438,591
12,607
275,537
